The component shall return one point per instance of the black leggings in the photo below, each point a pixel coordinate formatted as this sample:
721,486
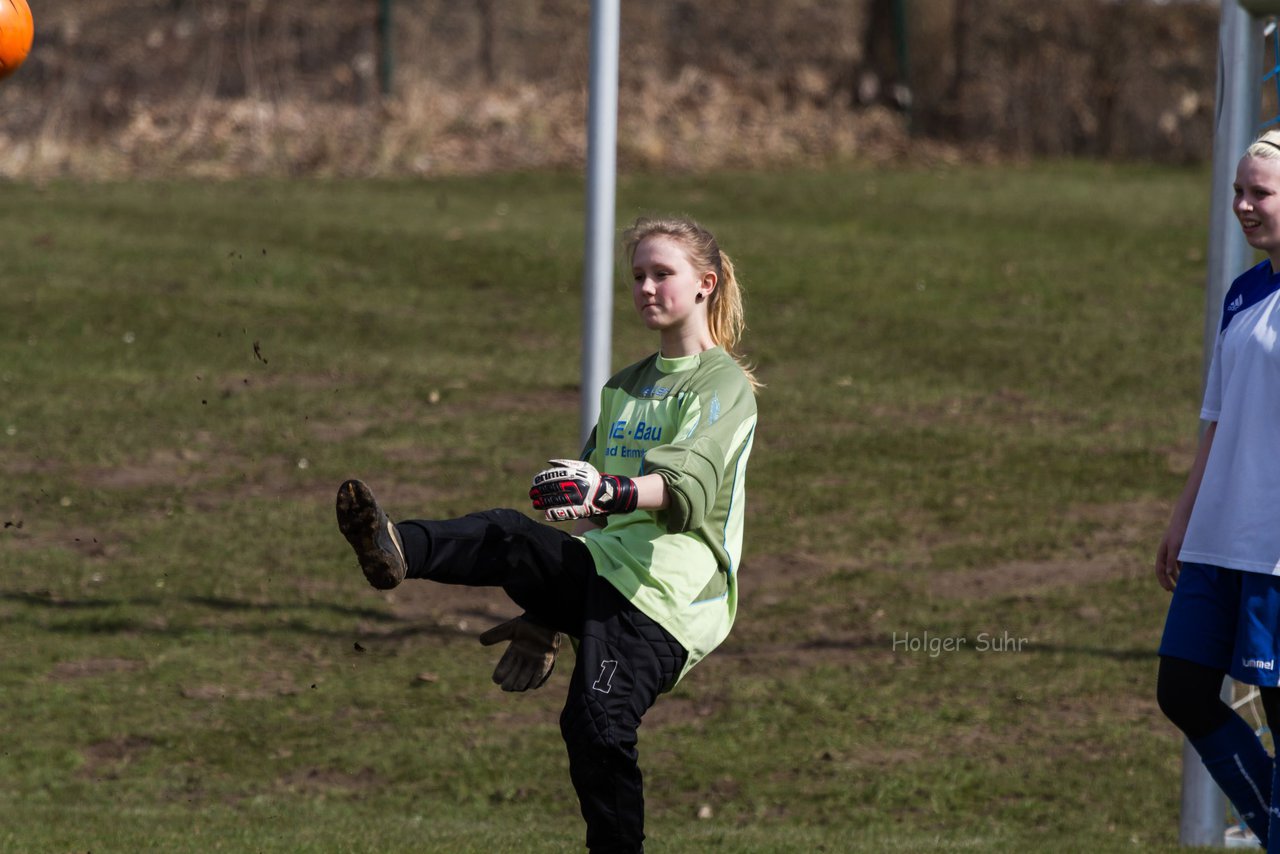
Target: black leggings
624,659
1190,695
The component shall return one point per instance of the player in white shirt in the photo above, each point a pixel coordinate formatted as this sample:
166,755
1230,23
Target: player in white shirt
1221,553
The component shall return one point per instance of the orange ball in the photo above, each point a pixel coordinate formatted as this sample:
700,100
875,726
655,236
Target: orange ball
16,32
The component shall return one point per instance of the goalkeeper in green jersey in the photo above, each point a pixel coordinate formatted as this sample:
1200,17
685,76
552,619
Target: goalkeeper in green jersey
647,582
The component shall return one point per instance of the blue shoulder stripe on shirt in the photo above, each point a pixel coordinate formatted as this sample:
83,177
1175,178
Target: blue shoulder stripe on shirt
1250,288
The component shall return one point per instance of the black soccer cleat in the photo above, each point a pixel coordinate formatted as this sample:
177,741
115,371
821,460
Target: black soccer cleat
371,534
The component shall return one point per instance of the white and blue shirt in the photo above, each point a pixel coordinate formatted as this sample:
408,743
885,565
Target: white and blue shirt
1235,522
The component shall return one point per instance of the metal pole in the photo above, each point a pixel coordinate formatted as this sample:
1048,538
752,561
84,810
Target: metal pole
602,155
1203,820
1236,121
901,41
385,60
1204,807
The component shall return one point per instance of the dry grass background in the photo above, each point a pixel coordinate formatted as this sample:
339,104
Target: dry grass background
224,88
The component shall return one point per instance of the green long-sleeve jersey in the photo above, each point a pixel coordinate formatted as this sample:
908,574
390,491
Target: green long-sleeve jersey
692,421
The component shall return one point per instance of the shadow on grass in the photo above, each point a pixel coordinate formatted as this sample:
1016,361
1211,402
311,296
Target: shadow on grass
1140,654
158,618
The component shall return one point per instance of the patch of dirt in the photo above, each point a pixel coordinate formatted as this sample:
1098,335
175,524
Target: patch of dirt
320,780
18,467
1022,578
165,467
339,431
1104,555
89,543
232,383
696,710
469,610
564,399
269,480
191,470
104,759
407,495
769,578
268,686
190,473
86,667
998,408
747,653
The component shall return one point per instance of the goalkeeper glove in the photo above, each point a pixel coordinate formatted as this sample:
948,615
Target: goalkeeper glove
573,489
530,657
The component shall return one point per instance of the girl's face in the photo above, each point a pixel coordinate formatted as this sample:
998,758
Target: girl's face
666,285
1257,203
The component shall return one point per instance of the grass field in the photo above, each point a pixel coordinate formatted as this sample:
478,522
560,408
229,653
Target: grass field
982,386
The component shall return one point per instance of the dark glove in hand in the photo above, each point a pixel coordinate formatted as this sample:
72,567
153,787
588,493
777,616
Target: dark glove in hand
530,655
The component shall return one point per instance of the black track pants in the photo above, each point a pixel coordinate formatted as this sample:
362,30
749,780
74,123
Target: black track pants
543,569
625,659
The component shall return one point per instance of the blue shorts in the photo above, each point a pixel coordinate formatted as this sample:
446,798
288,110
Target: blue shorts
1226,619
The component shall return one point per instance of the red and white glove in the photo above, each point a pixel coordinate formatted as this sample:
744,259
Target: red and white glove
573,489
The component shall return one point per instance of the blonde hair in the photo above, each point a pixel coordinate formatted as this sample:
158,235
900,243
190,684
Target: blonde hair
725,317
1266,146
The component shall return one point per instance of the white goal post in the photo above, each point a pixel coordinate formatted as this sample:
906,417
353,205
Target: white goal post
602,170
1237,120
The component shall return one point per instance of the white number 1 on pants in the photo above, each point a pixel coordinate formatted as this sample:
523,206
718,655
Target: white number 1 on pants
604,684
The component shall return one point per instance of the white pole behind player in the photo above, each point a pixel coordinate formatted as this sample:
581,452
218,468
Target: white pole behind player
1236,121
602,169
